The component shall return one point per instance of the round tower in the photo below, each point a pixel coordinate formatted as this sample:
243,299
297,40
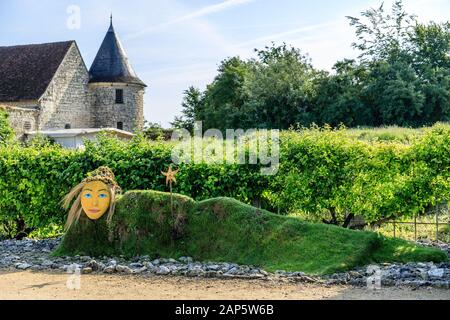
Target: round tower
117,94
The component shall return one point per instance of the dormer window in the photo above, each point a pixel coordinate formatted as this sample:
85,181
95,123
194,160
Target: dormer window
119,96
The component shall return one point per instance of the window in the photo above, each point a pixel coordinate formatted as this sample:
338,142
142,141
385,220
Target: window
119,96
120,125
27,125
67,126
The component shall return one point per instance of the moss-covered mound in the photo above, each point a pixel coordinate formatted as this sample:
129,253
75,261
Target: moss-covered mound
224,229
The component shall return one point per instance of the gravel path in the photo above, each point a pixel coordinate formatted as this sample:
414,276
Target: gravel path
53,285
35,255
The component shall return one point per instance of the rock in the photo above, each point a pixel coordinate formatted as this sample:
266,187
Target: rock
356,282
94,265
86,270
163,270
232,271
156,262
110,269
34,255
436,273
140,270
186,260
124,269
264,273
23,266
422,272
195,272
47,263
136,265
64,267
112,262
421,265
213,267
302,274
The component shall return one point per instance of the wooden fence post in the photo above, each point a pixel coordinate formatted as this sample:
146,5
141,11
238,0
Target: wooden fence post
415,227
437,223
394,228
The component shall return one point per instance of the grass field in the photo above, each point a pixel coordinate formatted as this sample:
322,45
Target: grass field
391,133
224,229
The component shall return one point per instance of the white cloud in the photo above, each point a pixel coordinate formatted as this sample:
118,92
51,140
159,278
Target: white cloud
202,12
285,34
225,5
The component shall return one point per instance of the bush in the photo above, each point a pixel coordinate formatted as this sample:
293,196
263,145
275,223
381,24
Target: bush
324,175
327,174
6,132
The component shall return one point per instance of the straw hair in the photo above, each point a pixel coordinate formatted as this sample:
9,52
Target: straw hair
103,174
76,209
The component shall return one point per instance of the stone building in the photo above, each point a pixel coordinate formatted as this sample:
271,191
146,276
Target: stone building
47,87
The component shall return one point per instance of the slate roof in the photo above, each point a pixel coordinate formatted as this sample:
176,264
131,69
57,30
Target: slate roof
26,70
111,63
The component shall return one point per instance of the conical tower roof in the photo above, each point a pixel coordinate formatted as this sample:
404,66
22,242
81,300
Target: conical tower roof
111,63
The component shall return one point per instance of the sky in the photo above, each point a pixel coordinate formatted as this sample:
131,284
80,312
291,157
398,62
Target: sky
173,44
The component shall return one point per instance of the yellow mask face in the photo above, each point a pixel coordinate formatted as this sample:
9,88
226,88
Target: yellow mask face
95,199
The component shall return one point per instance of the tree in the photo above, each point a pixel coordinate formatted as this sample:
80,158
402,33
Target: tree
272,91
281,88
338,97
430,46
153,131
402,77
382,36
224,98
407,64
393,91
191,108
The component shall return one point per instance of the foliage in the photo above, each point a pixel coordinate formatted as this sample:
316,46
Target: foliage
324,174
401,77
191,107
6,132
223,229
154,131
327,175
382,36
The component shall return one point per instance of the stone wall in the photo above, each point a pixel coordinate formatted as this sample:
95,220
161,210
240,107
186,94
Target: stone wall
66,101
107,113
23,116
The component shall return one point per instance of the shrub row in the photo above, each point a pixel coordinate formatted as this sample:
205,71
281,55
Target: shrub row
324,174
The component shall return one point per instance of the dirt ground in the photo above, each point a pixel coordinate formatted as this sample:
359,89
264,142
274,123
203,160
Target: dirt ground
41,285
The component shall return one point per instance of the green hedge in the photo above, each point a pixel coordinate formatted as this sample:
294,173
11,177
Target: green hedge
321,171
325,171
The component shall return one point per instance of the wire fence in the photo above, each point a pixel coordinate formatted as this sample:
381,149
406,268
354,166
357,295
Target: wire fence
431,227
